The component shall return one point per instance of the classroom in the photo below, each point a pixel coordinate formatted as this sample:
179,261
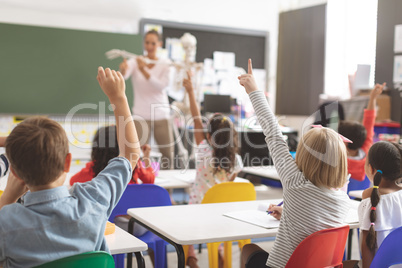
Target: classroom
201,134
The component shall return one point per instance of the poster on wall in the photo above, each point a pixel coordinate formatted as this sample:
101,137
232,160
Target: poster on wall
397,69
398,39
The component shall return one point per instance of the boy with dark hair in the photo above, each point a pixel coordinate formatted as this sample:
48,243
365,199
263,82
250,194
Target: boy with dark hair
54,222
361,135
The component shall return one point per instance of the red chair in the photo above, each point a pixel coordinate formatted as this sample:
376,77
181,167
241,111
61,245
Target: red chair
321,249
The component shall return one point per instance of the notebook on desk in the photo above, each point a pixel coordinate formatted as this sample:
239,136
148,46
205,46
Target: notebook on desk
257,217
260,217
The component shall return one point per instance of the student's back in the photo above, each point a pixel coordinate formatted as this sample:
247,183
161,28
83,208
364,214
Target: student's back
53,222
309,202
56,223
380,211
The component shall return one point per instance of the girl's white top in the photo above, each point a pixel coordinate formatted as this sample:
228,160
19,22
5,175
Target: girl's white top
150,97
388,211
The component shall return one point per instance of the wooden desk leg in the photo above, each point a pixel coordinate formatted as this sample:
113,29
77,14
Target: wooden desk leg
181,262
140,260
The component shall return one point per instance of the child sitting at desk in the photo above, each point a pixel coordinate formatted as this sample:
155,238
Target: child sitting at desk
104,148
361,135
216,154
309,202
54,222
380,210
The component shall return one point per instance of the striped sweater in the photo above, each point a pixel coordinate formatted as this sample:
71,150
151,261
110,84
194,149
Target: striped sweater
307,208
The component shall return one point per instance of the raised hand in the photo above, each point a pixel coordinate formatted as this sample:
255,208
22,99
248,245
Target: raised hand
112,83
146,150
377,90
123,67
247,80
187,83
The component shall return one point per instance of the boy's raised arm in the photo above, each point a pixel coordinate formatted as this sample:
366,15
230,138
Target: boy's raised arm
113,85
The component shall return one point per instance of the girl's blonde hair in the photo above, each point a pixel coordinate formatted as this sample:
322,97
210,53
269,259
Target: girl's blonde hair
321,156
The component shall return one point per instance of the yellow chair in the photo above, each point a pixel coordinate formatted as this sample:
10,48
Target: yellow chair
221,193
1,192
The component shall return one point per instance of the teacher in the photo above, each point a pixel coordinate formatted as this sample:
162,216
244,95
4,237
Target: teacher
151,105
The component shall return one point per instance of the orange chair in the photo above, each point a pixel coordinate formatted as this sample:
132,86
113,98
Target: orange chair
321,249
221,193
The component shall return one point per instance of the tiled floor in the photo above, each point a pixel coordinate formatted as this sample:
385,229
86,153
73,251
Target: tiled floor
263,192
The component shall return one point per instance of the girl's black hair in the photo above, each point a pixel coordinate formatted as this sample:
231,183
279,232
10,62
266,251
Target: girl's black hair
224,143
386,158
104,148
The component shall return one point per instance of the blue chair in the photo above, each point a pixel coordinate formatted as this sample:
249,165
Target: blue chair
358,185
144,195
390,251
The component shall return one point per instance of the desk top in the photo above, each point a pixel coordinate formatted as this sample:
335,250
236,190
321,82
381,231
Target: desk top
263,171
122,242
356,194
206,223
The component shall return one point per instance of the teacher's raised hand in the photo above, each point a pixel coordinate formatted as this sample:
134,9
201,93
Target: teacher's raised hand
247,80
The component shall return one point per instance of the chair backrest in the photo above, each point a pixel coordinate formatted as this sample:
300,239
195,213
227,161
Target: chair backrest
230,192
390,251
321,249
141,195
95,259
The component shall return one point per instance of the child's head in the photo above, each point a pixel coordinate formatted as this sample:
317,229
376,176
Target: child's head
223,138
384,162
321,156
37,149
104,148
354,131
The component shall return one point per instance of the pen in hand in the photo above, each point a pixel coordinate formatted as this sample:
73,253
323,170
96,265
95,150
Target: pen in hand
280,204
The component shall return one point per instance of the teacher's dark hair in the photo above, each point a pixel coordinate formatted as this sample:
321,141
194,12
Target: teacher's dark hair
155,33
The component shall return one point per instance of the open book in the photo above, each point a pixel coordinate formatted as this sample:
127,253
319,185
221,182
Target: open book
260,217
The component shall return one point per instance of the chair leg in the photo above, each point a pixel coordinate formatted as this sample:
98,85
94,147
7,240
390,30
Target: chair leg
119,260
228,254
243,242
213,254
160,254
185,249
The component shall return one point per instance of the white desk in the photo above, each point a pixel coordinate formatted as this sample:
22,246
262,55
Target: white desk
176,178
356,194
204,223
121,242
268,172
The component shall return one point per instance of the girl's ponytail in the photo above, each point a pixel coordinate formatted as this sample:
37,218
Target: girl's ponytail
371,240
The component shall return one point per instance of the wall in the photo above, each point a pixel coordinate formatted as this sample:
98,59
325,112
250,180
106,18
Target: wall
389,15
123,16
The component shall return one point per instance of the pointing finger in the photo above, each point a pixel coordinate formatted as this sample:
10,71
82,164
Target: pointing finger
250,67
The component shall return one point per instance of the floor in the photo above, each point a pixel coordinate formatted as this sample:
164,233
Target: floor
263,192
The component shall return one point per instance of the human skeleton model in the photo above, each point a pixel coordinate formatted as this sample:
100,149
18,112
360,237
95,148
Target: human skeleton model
189,44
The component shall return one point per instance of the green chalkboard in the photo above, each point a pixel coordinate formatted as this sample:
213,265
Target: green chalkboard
50,71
